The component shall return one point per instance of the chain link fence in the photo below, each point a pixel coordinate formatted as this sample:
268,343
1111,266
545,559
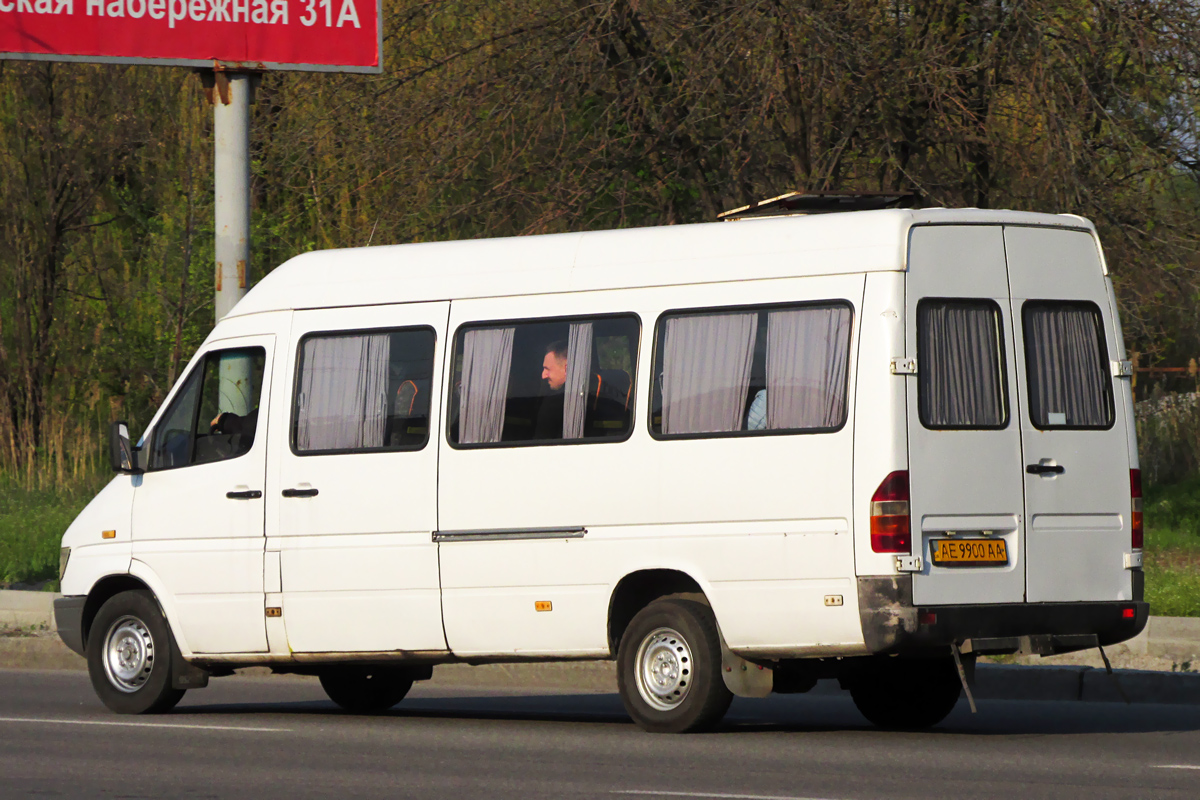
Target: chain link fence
1168,432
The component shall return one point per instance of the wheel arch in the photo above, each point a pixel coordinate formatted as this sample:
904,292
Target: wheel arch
101,592
141,571
642,587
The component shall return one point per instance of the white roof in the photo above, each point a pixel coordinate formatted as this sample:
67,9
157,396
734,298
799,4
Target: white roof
752,249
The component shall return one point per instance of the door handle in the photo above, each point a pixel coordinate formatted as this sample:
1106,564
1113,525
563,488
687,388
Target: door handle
1045,469
252,494
299,492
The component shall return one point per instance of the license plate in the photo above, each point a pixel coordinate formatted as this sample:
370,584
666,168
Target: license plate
968,552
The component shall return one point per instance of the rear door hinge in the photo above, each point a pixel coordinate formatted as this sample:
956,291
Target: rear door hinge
908,563
1122,369
904,366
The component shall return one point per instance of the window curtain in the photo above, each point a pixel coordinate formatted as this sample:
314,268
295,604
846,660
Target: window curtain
706,372
1066,367
579,369
487,362
343,393
958,365
807,351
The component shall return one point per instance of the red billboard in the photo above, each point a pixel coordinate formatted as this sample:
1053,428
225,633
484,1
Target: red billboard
314,35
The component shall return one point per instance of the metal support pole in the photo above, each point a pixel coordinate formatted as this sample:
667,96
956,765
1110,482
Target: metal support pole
231,130
230,94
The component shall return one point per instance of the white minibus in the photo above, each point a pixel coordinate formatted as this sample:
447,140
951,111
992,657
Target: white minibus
735,457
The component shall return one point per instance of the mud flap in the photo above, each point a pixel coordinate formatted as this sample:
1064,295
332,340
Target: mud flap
743,678
184,674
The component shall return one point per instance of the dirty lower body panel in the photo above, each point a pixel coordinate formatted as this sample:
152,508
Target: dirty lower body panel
892,624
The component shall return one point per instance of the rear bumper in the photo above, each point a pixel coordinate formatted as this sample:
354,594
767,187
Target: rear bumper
892,624
68,618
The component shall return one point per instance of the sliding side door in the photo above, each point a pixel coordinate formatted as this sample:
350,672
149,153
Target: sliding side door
534,461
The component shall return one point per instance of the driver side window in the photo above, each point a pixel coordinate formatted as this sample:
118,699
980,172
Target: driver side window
215,415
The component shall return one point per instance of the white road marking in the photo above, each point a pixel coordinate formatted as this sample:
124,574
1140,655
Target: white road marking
720,796
145,724
1175,766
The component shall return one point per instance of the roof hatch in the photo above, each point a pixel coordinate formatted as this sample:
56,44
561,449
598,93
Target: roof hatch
802,203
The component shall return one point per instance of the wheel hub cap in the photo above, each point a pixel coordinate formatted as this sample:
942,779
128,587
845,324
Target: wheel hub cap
664,669
128,654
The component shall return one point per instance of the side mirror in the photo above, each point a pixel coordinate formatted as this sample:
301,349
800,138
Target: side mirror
122,455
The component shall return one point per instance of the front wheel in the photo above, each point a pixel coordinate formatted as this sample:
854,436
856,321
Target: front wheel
366,690
907,693
129,655
669,668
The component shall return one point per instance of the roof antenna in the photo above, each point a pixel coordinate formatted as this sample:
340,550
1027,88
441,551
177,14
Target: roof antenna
372,236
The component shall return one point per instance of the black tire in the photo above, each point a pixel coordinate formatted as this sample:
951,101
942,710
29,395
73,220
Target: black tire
690,694
366,690
129,654
907,693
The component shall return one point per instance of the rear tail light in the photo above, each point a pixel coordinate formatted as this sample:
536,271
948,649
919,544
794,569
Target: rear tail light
890,531
1135,494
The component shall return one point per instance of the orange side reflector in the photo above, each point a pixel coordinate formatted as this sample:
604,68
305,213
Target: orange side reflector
108,534
543,605
274,611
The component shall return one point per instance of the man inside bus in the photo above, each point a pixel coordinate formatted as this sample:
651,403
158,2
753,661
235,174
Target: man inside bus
549,423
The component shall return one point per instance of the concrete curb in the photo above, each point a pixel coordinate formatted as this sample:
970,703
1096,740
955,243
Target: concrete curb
1086,684
1171,637
1177,638
27,609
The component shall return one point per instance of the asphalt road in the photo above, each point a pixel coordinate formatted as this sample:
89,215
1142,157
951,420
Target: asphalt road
280,738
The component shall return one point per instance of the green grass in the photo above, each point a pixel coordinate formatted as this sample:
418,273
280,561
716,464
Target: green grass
1173,584
1172,555
32,523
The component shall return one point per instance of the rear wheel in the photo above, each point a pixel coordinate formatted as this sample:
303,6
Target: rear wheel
669,668
129,655
366,690
907,693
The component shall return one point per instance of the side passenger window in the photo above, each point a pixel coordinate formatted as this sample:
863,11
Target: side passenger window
960,365
363,392
544,381
215,414
1066,365
747,371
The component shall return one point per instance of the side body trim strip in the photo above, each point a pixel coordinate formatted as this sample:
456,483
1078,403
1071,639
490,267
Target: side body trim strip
501,534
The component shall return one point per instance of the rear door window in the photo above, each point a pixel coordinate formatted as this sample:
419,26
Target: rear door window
1066,365
960,356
